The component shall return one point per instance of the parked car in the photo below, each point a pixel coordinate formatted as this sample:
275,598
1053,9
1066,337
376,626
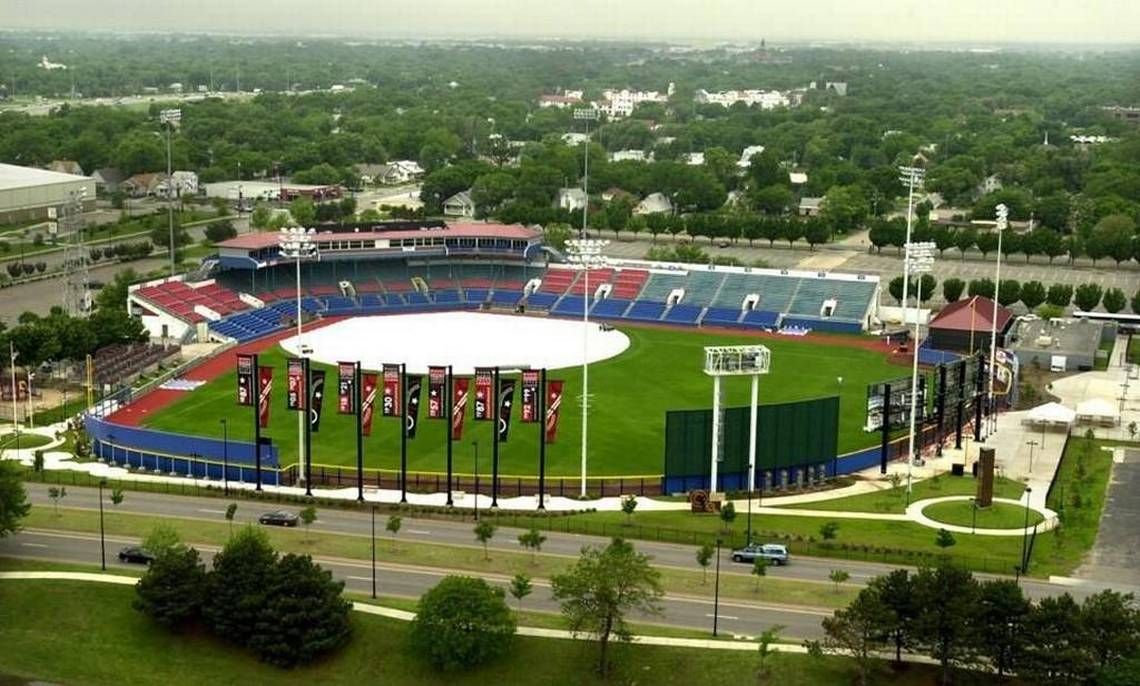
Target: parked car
279,518
774,553
136,554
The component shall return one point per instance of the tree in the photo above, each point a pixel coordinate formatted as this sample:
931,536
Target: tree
728,514
14,504
817,232
259,219
231,510
828,530
1009,292
964,240
304,615
1135,303
857,630
1032,294
765,652
1060,295
172,590
393,527
774,200
602,588
896,591
490,191
1111,622
116,496
1002,615
982,287
845,207
1087,296
308,515
837,577
520,588
1059,650
461,623
943,238
56,494
946,598
532,540
704,559
217,232
944,539
1114,300
896,289
628,505
952,289
237,587
303,211
759,569
484,532
161,538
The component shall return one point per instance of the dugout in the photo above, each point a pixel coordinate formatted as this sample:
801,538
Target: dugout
796,443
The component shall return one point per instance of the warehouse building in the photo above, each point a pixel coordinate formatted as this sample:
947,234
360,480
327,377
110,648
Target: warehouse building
28,194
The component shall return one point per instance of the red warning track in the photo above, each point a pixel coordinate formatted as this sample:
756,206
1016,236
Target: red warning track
207,370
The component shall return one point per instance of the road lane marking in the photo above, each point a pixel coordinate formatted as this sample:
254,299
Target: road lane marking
419,532
221,512
34,545
723,616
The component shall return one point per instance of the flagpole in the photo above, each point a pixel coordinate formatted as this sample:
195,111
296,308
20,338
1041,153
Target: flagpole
541,438
356,403
403,432
257,421
447,415
495,442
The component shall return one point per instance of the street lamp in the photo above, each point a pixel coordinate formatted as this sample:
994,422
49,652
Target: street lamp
586,114
225,457
835,460
1025,532
587,253
716,589
1032,445
912,177
373,551
102,537
169,119
1000,226
12,355
298,243
475,445
974,517
919,260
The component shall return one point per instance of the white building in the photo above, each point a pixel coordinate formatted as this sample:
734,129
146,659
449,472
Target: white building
628,156
654,203
766,100
621,103
695,159
574,139
459,205
558,101
27,194
571,199
180,184
746,157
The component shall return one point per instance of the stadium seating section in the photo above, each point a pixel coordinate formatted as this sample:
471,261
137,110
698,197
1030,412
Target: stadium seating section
116,362
712,298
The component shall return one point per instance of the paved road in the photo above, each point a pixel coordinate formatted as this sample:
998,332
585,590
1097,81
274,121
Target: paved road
1115,558
459,533
739,618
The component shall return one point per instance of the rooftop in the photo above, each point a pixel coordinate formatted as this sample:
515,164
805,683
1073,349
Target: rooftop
971,314
1057,336
254,241
13,176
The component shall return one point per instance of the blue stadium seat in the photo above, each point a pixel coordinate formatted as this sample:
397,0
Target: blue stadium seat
477,295
761,319
683,314
505,298
446,297
610,308
539,301
569,306
721,316
645,311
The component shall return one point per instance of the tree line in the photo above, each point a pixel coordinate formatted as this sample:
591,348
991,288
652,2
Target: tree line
1032,294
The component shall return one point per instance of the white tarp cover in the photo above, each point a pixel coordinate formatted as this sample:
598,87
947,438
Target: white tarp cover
1051,413
1097,409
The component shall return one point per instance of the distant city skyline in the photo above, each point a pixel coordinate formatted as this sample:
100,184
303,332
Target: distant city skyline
1086,22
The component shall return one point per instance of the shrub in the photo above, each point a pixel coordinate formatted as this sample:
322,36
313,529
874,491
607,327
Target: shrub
172,589
462,622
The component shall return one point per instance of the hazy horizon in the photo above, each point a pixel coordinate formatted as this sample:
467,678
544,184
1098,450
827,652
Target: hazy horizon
1088,22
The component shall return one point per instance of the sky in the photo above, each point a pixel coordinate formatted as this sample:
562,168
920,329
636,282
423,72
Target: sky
910,21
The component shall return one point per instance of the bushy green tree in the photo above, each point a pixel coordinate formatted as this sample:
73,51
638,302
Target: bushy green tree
462,623
952,289
1087,296
14,504
172,590
237,587
303,615
1060,295
1114,300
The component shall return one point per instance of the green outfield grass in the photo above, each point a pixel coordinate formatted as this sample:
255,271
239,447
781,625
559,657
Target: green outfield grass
660,371
996,516
9,441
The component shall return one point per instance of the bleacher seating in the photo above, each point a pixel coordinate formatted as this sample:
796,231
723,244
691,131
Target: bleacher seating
659,286
628,282
609,308
569,305
179,299
720,316
810,296
536,301
115,363
701,287
736,287
683,314
477,295
764,319
509,298
597,277
558,280
447,296
642,310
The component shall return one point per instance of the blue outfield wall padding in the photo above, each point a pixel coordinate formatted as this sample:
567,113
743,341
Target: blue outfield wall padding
133,438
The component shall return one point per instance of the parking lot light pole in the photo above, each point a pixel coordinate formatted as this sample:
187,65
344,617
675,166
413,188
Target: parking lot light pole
102,535
225,456
297,243
919,260
999,226
716,589
475,445
1025,532
373,551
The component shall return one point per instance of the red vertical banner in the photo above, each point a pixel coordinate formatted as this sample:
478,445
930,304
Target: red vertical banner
529,396
553,402
458,407
346,388
265,379
367,402
245,380
392,391
484,396
437,386
295,395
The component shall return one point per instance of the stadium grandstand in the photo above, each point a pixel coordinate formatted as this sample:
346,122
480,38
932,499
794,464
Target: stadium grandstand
249,289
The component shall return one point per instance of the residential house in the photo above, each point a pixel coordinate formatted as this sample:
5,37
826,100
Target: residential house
837,87
989,184
403,171
182,184
141,185
766,100
615,193
571,199
66,167
559,101
695,159
370,173
746,156
107,179
810,207
628,156
460,205
574,138
797,178
654,203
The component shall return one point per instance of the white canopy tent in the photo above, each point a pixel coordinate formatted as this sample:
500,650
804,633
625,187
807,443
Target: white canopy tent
1098,411
1051,414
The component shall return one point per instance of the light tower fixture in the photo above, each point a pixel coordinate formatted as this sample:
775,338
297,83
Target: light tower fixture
919,261
911,176
298,243
587,253
1000,226
586,114
170,118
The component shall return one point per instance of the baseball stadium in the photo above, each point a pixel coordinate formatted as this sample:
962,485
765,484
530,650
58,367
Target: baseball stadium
475,319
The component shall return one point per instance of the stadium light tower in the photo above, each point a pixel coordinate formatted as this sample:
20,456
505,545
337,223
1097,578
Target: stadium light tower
169,119
919,260
298,243
912,177
1000,226
735,360
586,114
588,254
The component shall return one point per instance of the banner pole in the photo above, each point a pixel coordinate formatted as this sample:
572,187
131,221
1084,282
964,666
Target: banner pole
447,431
495,443
356,397
542,438
885,444
308,429
257,421
403,432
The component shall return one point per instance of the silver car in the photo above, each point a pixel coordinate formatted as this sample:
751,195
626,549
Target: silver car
774,553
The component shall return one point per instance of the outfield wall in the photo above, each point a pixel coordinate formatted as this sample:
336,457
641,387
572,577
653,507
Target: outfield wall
169,453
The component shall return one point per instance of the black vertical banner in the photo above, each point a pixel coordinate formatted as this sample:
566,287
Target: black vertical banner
317,394
415,382
506,399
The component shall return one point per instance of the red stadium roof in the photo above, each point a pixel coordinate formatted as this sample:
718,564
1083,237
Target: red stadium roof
972,314
254,241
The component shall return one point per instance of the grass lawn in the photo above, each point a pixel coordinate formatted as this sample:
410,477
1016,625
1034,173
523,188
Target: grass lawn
1078,499
660,371
996,516
893,500
26,440
84,633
